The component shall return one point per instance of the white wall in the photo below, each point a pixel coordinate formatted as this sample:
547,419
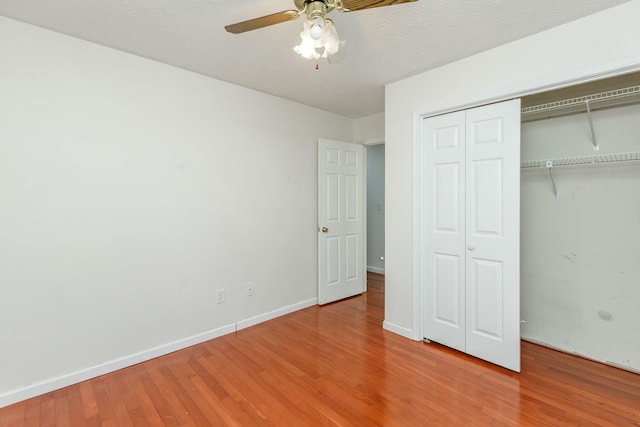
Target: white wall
580,276
369,128
375,208
595,45
130,191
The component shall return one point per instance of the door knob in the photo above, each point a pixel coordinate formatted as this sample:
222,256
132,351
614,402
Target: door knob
324,229
471,247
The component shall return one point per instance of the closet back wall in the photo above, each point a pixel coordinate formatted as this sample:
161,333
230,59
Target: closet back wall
580,253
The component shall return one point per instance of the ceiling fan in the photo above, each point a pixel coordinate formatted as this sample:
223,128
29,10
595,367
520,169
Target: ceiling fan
319,36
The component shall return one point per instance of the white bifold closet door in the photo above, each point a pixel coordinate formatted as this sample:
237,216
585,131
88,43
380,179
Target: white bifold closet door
470,242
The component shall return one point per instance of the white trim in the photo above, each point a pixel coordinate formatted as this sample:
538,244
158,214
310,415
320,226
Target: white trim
251,321
397,329
370,143
52,384
373,141
365,218
65,380
418,309
552,83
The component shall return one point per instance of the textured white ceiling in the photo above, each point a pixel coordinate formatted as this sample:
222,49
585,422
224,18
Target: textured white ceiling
382,45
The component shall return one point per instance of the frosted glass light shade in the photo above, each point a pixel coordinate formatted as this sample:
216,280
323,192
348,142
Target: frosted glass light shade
318,41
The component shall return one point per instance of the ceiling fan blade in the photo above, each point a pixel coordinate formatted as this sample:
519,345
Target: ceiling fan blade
263,21
353,5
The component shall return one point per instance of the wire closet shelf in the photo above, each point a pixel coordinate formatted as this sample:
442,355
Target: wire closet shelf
584,160
628,95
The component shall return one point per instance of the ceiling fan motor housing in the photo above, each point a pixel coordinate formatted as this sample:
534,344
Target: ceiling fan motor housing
315,8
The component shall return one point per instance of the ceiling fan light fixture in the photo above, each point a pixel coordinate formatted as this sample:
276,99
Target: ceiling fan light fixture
319,39
332,42
319,35
308,46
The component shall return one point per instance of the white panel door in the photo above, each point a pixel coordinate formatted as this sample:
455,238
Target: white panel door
443,225
341,262
493,233
470,222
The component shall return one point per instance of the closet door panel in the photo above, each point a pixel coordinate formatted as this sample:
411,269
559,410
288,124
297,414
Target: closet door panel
493,233
486,195
443,229
486,289
447,288
447,197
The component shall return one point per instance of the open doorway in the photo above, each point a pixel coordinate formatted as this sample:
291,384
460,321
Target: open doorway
375,209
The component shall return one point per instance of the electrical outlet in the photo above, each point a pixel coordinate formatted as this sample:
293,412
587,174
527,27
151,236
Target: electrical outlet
220,296
249,289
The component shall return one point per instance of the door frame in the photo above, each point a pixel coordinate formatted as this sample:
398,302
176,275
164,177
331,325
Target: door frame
556,82
369,143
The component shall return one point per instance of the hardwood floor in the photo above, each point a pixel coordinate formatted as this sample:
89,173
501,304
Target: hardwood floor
335,365
375,283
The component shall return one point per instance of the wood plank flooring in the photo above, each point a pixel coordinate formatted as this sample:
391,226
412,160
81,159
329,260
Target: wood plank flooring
335,366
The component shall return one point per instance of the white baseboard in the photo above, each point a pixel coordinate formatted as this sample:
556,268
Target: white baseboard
242,324
52,384
375,270
397,329
575,353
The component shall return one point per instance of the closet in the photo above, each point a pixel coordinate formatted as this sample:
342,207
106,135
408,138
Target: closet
578,226
580,220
